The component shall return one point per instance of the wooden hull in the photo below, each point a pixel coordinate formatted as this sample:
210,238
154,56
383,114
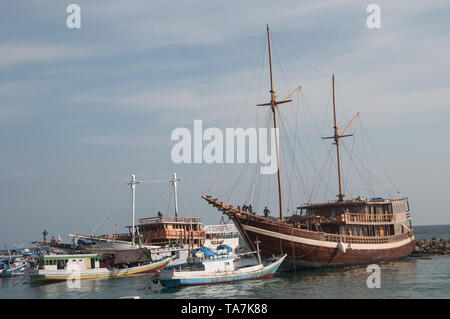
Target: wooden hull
61,275
308,249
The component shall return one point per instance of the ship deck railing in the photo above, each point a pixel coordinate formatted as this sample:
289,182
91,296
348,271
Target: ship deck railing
166,219
349,239
225,228
352,218
118,236
174,234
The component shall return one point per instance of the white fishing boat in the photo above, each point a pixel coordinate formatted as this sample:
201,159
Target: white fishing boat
89,266
206,267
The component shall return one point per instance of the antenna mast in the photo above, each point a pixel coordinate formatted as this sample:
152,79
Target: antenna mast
133,200
174,183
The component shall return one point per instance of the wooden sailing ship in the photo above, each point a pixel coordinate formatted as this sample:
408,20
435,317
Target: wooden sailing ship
335,233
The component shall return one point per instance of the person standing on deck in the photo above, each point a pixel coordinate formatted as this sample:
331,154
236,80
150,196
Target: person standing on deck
266,211
44,234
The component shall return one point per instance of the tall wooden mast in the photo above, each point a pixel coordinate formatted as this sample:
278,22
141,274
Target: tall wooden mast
274,111
337,137
336,141
274,105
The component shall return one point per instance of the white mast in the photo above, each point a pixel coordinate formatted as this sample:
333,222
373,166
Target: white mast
133,200
174,183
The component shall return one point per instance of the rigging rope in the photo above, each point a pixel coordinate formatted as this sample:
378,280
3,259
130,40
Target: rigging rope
298,58
111,211
378,158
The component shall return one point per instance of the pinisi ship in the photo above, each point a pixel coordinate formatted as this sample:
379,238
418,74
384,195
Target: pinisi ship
334,233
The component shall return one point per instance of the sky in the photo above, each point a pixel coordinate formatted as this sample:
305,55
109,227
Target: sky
82,109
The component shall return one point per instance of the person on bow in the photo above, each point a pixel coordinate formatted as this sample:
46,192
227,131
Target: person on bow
266,211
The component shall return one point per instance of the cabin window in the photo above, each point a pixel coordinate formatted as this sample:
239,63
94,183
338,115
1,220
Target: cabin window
92,263
60,264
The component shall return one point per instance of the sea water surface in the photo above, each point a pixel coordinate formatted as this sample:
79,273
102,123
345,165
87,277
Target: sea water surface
404,278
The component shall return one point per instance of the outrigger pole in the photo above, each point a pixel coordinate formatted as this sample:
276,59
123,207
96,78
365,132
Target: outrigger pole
337,137
274,105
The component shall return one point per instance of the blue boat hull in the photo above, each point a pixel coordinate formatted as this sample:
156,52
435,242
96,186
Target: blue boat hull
266,272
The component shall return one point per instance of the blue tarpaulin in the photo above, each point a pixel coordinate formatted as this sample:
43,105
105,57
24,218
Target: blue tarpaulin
206,251
86,241
228,248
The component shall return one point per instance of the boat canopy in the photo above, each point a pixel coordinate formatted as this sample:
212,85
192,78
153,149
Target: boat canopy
131,256
206,251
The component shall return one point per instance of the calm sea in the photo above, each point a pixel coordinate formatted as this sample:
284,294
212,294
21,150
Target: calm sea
405,278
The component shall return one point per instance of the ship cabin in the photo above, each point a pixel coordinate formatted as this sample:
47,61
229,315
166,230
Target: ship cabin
170,231
221,234
59,262
207,260
356,217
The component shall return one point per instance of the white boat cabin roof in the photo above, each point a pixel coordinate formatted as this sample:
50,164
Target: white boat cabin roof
73,256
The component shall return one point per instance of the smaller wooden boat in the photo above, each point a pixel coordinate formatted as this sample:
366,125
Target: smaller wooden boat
13,264
9,269
89,266
214,267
